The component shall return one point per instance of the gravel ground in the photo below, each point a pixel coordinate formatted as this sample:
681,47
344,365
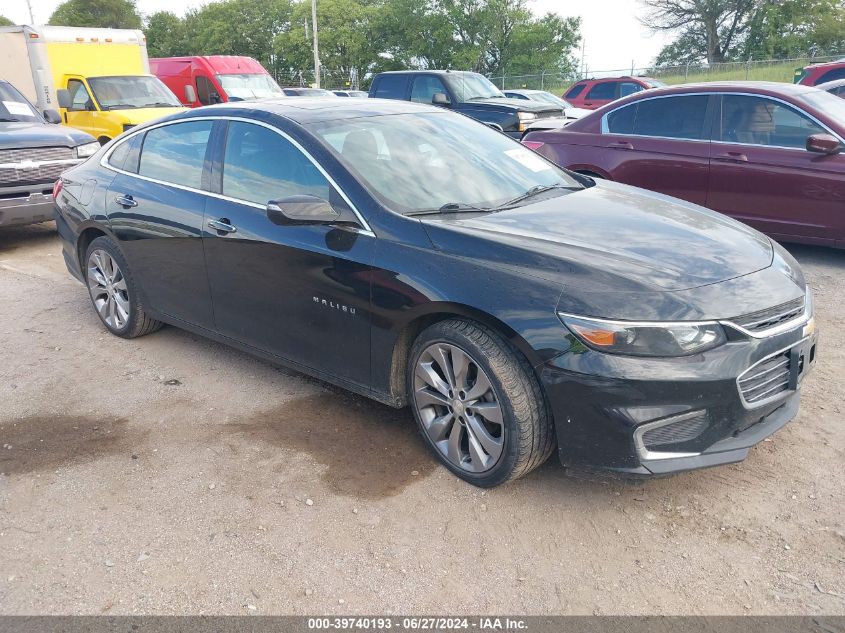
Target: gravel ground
171,474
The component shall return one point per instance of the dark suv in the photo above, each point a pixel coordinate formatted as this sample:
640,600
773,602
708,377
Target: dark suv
592,94
468,93
32,155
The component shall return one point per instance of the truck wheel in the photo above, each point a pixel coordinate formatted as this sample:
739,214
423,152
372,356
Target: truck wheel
478,403
113,291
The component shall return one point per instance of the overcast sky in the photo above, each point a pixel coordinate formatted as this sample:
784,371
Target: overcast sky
614,38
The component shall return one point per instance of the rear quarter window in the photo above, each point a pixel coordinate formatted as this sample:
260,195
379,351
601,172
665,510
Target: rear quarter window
391,87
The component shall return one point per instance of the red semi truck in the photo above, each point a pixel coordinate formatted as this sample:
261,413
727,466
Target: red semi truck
207,79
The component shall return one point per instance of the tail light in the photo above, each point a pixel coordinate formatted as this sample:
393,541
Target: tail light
57,188
535,145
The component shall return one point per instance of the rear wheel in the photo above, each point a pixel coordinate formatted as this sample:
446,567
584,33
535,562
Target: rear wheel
113,291
478,404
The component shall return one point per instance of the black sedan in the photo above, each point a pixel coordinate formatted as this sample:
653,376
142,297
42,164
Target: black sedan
420,258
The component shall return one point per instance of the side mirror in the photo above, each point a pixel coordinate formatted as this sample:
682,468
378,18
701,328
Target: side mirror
52,116
190,94
823,144
440,99
63,97
302,210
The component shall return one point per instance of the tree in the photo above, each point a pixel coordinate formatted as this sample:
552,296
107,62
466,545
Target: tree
115,14
4,21
166,35
715,25
785,28
237,27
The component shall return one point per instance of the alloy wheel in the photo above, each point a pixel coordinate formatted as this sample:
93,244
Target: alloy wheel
108,289
458,407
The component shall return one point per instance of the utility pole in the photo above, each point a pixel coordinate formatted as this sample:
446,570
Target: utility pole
31,17
316,49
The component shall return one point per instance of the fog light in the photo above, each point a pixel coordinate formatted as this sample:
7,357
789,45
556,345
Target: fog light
655,439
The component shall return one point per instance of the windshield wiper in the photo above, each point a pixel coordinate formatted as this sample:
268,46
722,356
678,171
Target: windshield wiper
5,120
158,104
534,191
451,207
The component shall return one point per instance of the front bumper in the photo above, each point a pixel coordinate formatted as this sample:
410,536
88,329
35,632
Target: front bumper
647,416
27,208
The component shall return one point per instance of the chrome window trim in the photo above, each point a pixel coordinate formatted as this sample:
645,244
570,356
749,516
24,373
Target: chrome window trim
781,394
365,227
605,129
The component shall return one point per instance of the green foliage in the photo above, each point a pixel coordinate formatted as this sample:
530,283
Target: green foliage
728,30
114,14
4,21
166,35
358,37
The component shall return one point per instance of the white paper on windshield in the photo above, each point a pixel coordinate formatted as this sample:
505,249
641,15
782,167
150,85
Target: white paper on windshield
17,107
529,159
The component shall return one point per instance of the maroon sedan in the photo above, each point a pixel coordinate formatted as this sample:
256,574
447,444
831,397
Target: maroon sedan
767,154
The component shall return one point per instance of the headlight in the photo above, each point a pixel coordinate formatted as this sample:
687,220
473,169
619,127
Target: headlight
646,338
524,119
89,149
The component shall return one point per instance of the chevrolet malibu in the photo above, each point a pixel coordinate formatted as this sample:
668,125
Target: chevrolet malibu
420,258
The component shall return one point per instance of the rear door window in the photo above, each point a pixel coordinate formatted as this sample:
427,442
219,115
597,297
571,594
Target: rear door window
260,165
391,87
575,90
681,117
621,121
759,121
176,153
603,91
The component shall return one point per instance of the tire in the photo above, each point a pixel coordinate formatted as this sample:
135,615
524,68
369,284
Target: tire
113,291
493,453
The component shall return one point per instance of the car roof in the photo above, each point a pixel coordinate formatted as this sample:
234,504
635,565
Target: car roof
763,87
312,109
831,84
428,72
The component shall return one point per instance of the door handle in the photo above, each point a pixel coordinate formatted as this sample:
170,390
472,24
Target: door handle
222,225
126,201
621,145
736,157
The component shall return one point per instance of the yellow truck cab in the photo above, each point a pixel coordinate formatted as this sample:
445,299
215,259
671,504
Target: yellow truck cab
99,79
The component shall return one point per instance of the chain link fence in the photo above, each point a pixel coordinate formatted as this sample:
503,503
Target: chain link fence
783,70
329,79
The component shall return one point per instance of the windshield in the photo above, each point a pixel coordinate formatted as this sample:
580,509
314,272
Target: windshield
250,86
15,107
468,86
118,93
830,104
423,161
548,97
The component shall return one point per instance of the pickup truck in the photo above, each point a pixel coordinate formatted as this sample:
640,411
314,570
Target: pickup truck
33,152
468,93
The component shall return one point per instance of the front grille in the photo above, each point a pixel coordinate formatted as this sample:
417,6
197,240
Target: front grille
685,428
771,317
16,175
767,379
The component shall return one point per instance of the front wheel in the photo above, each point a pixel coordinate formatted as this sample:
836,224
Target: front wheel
478,404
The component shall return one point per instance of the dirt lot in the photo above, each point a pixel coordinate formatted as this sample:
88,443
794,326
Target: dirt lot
170,474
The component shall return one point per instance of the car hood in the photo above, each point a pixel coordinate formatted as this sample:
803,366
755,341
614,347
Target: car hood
517,105
136,116
610,238
25,134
